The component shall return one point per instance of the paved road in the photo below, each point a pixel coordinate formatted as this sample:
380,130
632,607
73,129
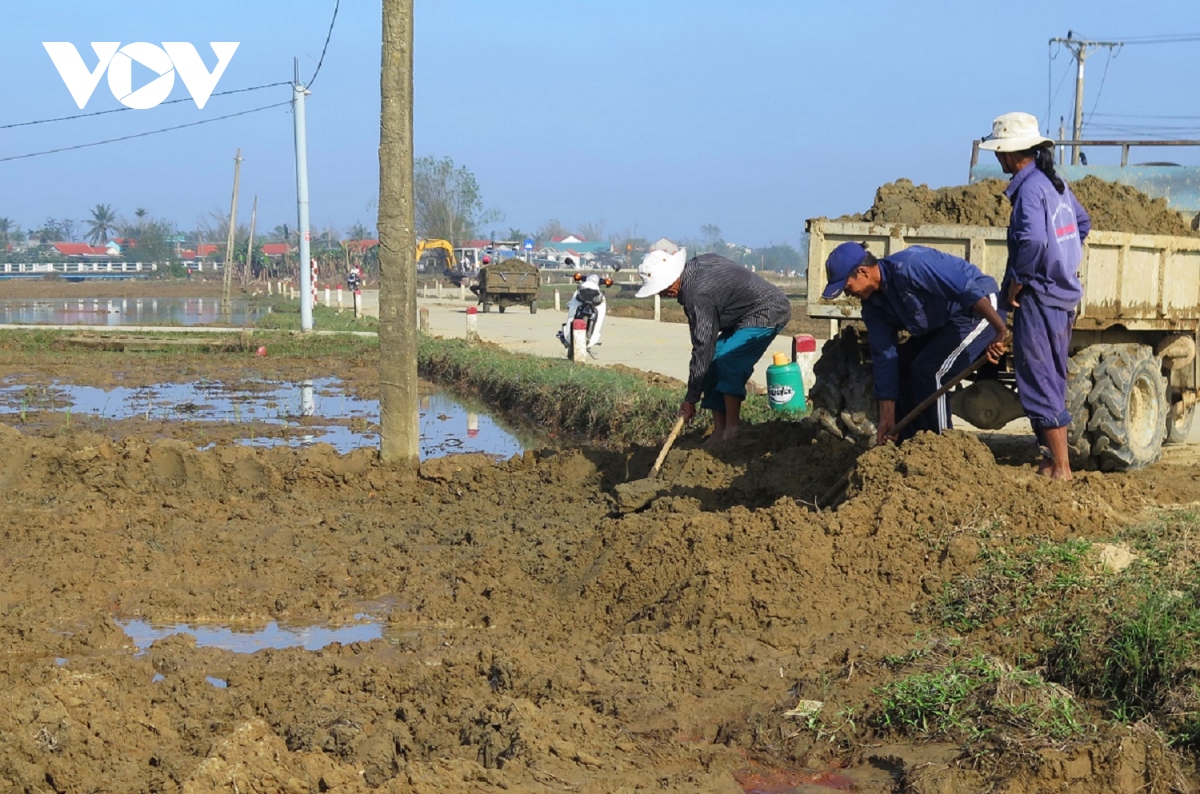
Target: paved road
655,347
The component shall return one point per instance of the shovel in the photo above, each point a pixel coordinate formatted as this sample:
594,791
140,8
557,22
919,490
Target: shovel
837,491
636,494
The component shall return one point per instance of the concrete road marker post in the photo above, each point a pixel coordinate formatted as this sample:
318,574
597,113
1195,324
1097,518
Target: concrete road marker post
424,319
339,298
472,324
579,341
557,307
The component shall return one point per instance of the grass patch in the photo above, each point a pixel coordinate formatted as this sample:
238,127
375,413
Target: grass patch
968,699
600,403
279,344
285,316
1130,640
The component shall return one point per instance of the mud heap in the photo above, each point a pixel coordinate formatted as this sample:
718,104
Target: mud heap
1113,207
534,637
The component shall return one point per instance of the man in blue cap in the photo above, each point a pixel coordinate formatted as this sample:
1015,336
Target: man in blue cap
946,305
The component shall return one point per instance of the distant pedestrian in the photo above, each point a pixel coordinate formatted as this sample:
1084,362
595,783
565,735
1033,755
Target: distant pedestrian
733,316
1041,282
944,303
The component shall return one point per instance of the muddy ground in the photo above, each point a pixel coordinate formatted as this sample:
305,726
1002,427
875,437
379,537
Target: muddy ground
534,638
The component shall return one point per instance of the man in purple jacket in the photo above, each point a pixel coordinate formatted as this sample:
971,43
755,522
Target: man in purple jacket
1045,249
947,306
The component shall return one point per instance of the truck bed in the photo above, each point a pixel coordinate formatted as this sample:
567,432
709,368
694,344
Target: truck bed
1137,281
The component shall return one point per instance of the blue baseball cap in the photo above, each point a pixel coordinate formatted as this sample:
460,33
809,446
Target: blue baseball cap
841,263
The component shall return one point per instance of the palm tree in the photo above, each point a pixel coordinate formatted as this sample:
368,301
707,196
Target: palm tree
358,231
8,229
103,220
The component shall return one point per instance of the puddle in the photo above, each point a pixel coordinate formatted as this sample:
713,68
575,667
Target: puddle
128,311
318,410
219,683
59,661
310,638
767,780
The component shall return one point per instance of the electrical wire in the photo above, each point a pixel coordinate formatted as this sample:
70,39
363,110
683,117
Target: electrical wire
1162,39
121,109
321,60
142,134
1100,91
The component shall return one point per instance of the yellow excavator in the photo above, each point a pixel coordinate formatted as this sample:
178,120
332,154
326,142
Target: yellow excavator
434,256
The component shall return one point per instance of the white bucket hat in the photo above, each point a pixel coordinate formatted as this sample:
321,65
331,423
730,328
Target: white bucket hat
660,270
1014,132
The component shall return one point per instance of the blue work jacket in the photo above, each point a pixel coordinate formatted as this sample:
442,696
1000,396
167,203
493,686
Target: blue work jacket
922,290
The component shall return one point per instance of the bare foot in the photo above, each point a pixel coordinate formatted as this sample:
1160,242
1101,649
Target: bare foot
1061,473
1045,467
715,440
731,433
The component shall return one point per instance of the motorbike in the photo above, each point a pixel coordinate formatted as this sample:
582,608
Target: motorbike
586,304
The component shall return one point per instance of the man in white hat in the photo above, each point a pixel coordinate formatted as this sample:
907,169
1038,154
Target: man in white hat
1041,282
733,315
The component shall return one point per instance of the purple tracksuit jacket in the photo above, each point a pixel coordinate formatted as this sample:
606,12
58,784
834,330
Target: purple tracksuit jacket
1045,249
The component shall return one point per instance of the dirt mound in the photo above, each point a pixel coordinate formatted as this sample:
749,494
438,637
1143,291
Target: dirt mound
980,204
1121,208
1113,207
533,638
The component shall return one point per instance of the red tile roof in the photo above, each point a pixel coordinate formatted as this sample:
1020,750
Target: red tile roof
276,249
360,245
80,249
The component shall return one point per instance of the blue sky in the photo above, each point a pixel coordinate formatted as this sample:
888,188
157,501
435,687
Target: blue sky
655,116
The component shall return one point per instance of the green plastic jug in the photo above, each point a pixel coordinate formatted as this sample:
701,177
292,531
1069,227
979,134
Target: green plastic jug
785,387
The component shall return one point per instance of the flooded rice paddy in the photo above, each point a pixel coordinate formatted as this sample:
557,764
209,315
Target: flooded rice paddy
311,411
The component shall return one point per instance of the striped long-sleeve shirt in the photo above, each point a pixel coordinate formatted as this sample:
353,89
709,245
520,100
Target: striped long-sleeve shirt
719,297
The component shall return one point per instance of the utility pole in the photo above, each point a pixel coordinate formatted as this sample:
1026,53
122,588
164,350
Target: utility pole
230,241
249,269
1079,48
398,336
306,301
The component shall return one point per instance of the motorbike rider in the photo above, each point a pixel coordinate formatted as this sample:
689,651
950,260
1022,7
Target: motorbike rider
588,292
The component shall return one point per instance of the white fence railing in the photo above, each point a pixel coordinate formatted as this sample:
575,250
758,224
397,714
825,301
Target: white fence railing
79,267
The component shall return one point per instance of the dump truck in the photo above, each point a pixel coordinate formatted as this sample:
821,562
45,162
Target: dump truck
512,282
1133,370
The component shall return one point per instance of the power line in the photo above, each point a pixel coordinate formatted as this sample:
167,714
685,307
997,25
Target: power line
122,109
321,60
141,134
1103,77
1142,116
1178,38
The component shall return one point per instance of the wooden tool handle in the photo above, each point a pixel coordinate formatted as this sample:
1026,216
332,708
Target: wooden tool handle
667,447
931,399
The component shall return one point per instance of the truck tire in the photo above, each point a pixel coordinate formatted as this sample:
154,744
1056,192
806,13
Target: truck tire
843,395
486,306
1127,408
533,307
1080,381
502,307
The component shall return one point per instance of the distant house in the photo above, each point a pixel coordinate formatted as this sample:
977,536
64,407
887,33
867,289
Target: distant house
85,250
359,245
559,248
665,245
276,250
201,251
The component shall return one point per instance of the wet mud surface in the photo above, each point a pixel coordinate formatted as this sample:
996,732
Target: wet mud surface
532,637
524,633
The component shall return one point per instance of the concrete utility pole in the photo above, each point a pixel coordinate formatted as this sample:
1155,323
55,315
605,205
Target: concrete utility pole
1079,48
248,270
306,302
227,271
398,336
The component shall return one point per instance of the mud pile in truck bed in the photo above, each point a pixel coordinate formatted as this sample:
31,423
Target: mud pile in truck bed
1113,207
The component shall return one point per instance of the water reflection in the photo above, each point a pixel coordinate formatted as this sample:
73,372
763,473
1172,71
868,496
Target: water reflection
318,410
127,311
